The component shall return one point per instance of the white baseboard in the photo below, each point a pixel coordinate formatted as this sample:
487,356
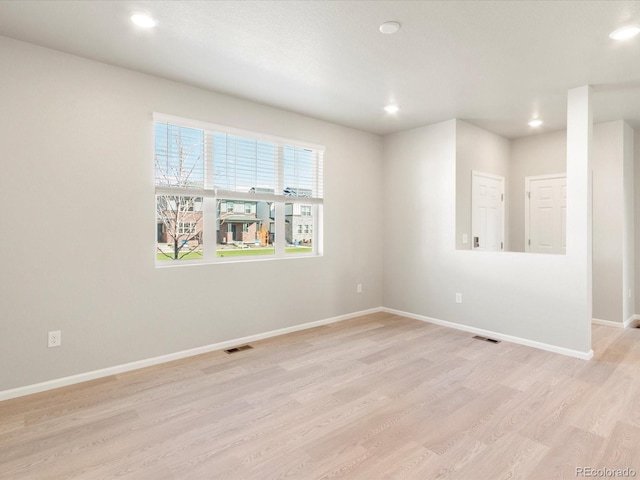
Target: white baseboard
607,323
499,336
105,372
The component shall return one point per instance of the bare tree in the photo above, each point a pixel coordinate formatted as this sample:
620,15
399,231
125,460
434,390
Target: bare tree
181,216
182,224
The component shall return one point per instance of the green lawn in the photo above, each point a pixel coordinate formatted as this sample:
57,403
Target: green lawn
188,256
244,252
298,249
239,252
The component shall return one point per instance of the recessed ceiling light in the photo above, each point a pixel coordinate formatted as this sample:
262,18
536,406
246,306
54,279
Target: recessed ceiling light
391,109
625,33
389,27
143,20
535,122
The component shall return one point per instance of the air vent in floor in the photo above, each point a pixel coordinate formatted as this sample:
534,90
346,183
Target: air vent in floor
239,349
491,340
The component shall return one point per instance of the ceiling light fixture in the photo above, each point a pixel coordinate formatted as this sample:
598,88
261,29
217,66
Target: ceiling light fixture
143,20
391,109
535,122
625,33
389,27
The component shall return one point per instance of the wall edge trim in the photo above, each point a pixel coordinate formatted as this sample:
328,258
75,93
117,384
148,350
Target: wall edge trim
608,323
148,362
499,336
632,321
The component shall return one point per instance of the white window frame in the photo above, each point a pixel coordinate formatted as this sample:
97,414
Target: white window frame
211,195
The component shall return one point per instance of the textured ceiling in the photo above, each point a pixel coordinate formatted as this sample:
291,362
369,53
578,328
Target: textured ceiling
493,63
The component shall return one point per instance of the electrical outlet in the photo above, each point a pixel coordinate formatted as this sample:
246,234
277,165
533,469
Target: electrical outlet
458,298
55,338
359,288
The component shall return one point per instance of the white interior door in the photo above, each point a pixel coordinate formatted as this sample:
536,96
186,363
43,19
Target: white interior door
546,214
487,212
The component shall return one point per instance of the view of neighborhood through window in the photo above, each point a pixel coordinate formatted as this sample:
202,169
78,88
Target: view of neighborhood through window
298,228
179,227
245,228
224,195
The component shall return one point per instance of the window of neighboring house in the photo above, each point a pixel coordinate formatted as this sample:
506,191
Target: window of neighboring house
185,228
214,183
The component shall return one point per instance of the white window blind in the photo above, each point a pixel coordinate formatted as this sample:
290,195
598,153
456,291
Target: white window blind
179,153
302,172
241,164
212,160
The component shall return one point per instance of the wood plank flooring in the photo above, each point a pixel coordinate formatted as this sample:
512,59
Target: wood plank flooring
377,397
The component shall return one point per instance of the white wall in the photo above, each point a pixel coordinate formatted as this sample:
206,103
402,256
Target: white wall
613,240
608,220
628,234
76,194
540,154
481,151
78,232
542,298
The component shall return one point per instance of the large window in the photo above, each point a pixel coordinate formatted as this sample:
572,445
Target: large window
224,194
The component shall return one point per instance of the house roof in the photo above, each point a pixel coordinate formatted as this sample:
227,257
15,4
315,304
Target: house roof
493,63
240,219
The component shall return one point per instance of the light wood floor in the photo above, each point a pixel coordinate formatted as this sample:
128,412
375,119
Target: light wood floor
375,397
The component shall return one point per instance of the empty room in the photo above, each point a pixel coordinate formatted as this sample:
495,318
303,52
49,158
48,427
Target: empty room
319,239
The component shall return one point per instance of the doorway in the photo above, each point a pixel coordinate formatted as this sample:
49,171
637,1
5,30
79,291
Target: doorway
546,213
487,212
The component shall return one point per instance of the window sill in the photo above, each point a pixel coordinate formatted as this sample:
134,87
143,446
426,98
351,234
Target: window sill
231,260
